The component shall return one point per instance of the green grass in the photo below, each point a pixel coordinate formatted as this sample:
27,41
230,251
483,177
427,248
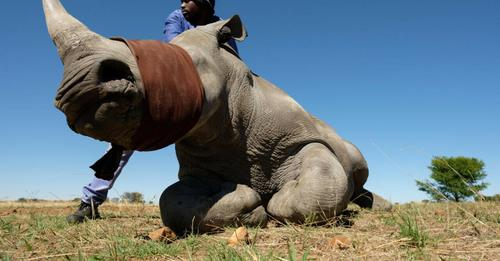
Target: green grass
123,248
409,228
292,253
6,224
432,231
222,251
5,257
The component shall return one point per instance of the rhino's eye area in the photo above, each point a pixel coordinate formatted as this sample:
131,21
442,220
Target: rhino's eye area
111,70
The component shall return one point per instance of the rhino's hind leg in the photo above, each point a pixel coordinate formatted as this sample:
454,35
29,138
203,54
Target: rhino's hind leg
202,205
359,166
321,191
361,196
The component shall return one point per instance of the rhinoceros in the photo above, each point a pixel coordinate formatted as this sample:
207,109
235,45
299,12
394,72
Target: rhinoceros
251,152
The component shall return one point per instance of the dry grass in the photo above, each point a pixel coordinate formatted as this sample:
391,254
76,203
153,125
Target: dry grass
431,231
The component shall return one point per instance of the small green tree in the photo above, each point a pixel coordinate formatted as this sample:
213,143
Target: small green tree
133,197
455,178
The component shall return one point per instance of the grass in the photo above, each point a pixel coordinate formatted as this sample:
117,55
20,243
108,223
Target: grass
417,231
410,229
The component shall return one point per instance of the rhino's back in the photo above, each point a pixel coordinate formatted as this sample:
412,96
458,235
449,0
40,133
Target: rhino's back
255,138
280,128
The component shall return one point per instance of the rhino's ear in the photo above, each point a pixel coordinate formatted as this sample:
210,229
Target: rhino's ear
232,28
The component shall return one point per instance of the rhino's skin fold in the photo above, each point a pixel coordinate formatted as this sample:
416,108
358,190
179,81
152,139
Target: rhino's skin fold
254,151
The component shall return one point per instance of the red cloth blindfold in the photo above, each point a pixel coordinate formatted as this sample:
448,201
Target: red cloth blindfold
173,93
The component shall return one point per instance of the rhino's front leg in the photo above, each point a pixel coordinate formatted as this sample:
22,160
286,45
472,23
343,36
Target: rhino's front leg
321,191
199,205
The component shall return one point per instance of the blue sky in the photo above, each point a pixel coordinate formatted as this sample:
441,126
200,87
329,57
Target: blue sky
403,80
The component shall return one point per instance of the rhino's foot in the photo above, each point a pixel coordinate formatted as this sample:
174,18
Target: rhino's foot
199,205
321,191
367,199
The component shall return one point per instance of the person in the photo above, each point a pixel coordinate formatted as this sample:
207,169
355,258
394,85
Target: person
192,13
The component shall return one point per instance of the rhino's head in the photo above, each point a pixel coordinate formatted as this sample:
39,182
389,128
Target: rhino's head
101,93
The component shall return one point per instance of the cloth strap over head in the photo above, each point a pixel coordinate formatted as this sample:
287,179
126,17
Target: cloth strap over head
173,93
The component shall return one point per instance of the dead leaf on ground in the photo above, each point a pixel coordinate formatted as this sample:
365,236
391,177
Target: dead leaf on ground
9,212
340,242
239,236
163,234
440,212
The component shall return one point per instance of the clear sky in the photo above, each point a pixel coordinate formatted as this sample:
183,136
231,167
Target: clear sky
403,80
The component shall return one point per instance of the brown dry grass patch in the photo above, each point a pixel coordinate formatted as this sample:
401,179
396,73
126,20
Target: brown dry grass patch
419,231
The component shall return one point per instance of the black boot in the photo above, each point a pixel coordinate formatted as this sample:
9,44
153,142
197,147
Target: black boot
85,211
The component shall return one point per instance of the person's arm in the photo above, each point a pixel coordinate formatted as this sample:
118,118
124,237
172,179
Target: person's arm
173,26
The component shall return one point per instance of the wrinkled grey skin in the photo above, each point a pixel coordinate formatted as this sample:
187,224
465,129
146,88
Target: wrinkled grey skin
254,154
101,93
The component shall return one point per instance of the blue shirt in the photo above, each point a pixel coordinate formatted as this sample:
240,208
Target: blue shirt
176,23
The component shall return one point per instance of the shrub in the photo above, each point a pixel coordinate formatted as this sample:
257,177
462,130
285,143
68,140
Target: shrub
133,197
455,178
